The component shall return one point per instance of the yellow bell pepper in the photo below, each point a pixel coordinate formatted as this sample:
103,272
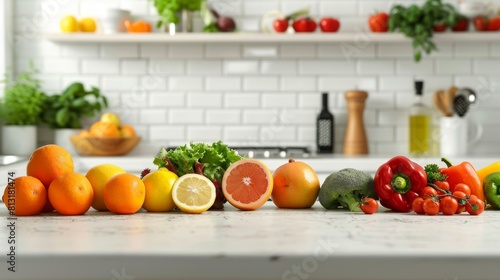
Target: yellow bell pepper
482,173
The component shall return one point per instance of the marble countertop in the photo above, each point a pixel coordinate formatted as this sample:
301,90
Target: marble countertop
268,243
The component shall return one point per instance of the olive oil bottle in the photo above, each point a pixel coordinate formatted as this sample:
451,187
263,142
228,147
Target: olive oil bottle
419,125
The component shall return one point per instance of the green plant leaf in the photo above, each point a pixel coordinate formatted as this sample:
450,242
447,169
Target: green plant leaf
62,117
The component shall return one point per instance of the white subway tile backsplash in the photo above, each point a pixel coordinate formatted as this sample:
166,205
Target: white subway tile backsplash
380,134
119,50
260,83
338,8
152,83
260,51
87,80
167,133
367,8
396,83
298,83
153,116
123,83
347,83
32,48
167,100
186,116
136,7
307,134
134,99
204,133
222,50
241,67
362,47
223,116
272,134
261,116
377,100
134,66
61,65
223,83
297,50
185,83
425,66
80,50
367,67
177,51
100,66
495,49
313,101
329,67
166,66
241,133
392,117
204,100
397,50
153,50
454,66
302,116
241,100
204,67
281,67
279,100
259,7
92,8
486,66
473,49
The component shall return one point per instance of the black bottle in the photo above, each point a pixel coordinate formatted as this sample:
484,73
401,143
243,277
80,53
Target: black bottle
324,128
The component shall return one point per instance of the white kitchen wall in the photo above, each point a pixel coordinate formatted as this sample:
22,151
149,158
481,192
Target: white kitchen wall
260,94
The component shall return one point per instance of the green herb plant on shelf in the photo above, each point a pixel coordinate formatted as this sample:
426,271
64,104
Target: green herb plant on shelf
23,100
169,10
418,23
66,110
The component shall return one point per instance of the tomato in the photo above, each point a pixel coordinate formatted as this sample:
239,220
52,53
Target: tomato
440,27
280,25
304,25
418,205
462,200
449,205
428,192
461,25
462,188
475,205
368,205
480,23
379,22
329,24
445,186
431,207
494,24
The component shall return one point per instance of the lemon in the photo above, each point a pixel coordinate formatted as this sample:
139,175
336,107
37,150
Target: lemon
87,25
98,176
111,118
193,193
69,24
159,185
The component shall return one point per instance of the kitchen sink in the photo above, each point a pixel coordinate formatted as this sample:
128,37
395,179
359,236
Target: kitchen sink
9,159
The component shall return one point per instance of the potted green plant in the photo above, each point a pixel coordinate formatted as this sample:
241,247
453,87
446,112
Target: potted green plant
417,23
64,112
176,12
20,110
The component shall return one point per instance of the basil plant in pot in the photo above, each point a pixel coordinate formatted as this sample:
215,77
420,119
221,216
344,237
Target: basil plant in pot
177,12
64,112
20,110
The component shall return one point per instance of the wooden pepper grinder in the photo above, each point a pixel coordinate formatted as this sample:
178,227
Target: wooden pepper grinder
355,142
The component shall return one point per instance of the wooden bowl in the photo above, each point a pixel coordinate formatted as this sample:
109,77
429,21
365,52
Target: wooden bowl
98,146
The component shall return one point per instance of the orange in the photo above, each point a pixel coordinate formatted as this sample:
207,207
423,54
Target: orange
71,194
127,130
124,194
104,129
26,197
98,177
296,185
49,162
247,184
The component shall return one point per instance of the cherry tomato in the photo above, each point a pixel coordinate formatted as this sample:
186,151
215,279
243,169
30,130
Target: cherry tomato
449,205
280,25
431,207
461,25
442,185
379,22
494,24
428,192
480,23
329,24
462,200
304,25
418,205
440,27
368,205
462,188
475,205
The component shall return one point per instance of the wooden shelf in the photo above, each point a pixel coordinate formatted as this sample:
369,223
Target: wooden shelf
261,37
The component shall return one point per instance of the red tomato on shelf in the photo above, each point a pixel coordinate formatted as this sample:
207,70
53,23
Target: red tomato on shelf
480,23
280,25
379,22
462,25
494,24
304,25
329,24
440,27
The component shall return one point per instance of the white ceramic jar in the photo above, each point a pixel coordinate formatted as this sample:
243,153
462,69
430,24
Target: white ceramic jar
113,20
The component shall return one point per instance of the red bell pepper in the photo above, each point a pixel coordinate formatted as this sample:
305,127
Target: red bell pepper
398,182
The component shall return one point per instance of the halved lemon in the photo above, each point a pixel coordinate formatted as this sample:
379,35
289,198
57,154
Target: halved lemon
193,193
247,184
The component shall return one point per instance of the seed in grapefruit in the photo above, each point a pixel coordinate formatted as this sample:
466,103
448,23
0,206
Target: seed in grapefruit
247,184
296,185
193,193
